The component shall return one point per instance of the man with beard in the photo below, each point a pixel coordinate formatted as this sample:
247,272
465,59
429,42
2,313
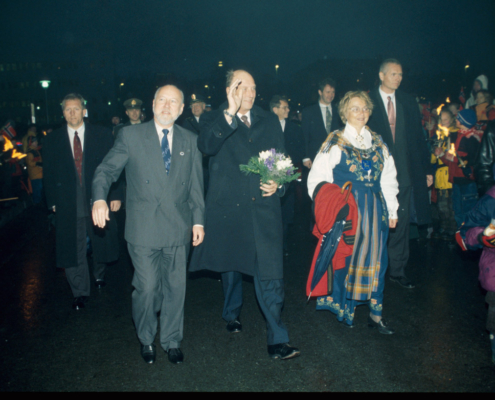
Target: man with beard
164,204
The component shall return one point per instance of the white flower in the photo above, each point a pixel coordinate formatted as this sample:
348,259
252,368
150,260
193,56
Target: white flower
284,164
265,154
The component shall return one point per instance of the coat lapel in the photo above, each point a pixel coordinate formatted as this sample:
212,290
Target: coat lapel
387,134
177,152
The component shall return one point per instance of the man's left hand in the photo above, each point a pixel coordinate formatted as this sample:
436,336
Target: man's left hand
269,188
198,235
392,223
429,180
115,205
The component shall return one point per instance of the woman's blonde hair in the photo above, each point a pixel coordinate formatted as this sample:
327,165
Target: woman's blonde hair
344,103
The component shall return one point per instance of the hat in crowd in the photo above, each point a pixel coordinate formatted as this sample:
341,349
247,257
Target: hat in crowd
467,118
133,104
196,98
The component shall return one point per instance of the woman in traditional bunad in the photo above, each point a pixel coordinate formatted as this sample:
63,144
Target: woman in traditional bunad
360,156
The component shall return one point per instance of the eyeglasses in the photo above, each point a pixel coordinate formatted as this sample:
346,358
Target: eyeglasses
284,108
357,110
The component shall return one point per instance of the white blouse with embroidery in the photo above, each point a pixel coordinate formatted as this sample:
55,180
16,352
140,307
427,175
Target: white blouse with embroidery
324,163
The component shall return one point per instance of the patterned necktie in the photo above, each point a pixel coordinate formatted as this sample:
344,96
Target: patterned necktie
391,116
78,155
246,121
328,124
167,156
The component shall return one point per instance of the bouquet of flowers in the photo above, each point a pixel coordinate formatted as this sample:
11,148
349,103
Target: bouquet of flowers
271,165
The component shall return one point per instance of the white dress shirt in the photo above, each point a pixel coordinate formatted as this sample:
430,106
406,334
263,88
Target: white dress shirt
80,134
324,163
282,122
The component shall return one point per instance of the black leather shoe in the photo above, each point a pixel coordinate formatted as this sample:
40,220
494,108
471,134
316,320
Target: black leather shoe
234,326
100,283
381,326
148,353
283,351
403,281
175,356
78,302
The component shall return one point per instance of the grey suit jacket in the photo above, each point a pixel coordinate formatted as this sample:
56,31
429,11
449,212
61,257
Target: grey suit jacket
161,209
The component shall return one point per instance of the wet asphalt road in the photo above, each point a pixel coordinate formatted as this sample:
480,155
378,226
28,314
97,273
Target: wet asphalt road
440,343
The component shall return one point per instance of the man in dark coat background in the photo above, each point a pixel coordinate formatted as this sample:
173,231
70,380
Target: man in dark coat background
396,118
243,231
67,174
294,147
319,120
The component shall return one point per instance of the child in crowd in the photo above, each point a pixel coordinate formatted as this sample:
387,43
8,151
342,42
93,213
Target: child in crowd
460,161
484,108
475,233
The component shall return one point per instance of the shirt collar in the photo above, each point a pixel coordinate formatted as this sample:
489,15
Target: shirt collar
80,130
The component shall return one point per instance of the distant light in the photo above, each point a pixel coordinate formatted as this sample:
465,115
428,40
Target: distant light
447,100
220,63
206,86
357,80
122,84
467,66
109,103
45,84
38,107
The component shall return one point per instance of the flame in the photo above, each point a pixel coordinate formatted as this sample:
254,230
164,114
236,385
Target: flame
442,132
447,100
439,108
15,154
452,149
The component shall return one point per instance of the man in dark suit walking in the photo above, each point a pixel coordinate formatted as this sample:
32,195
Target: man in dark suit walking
70,157
319,120
164,204
244,228
294,147
396,118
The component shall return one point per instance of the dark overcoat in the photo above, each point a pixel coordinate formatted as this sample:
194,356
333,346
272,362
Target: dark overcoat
191,124
314,129
418,157
60,180
242,229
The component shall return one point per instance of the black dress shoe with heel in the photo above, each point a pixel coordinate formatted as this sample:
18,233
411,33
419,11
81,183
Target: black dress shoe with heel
78,302
381,326
175,356
234,326
283,351
148,353
403,281
100,283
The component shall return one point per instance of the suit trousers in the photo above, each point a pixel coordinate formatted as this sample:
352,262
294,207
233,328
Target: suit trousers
78,276
398,239
270,295
159,286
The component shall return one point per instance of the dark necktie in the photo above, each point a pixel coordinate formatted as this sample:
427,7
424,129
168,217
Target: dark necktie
246,121
328,124
167,156
391,116
78,155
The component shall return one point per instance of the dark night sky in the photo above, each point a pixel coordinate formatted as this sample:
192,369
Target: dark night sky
190,36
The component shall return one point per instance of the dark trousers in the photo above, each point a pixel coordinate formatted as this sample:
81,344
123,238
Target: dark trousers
398,238
270,295
159,286
78,276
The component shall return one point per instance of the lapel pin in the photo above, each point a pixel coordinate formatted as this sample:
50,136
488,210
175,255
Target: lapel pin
181,153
